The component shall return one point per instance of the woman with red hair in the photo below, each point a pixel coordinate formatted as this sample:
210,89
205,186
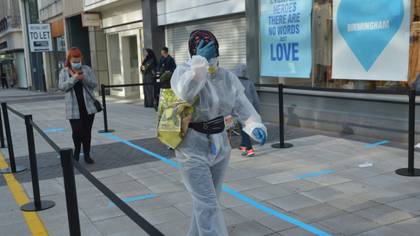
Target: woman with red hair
79,82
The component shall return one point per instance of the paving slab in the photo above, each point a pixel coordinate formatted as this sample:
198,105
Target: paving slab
250,228
318,212
293,202
324,194
349,224
384,215
409,227
409,205
268,192
383,231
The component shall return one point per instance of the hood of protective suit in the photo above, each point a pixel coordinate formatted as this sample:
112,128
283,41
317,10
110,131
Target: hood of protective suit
196,37
240,70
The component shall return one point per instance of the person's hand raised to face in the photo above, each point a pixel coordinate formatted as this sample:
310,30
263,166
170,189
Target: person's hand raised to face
207,51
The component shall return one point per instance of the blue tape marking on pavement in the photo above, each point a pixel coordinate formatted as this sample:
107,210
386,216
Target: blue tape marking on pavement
272,212
53,130
373,145
135,198
172,163
228,190
315,174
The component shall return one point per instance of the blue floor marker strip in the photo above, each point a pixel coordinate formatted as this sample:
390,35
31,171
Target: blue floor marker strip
315,174
53,130
170,162
373,145
274,213
135,198
228,190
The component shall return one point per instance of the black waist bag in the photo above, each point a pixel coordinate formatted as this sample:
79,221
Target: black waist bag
214,126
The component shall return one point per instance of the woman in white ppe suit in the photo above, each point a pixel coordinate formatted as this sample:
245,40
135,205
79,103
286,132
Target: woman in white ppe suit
204,153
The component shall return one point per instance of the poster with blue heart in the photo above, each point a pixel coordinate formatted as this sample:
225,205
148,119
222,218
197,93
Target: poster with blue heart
285,38
371,39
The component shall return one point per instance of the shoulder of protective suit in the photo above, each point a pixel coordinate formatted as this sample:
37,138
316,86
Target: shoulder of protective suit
230,74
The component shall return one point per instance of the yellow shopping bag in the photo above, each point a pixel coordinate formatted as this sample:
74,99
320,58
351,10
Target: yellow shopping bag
174,118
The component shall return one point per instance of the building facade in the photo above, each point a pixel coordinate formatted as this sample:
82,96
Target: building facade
117,31
12,59
51,12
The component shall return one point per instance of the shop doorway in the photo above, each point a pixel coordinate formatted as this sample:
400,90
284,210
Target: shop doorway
124,53
131,64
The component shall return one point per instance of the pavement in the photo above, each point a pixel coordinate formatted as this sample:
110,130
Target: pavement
327,184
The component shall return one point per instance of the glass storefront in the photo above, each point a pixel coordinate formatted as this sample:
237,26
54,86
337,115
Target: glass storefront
114,59
124,51
13,65
322,46
59,57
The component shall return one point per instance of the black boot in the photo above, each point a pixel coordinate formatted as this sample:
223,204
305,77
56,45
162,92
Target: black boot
89,160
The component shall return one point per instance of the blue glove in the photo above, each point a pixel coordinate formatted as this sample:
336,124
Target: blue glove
260,135
207,51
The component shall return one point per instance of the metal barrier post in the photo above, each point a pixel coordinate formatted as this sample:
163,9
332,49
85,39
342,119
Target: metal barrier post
2,144
66,156
411,171
282,144
13,168
37,204
104,111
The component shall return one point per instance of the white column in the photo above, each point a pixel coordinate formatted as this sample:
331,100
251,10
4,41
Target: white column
25,43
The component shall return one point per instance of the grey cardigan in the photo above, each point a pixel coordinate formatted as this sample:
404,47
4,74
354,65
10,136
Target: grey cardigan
66,84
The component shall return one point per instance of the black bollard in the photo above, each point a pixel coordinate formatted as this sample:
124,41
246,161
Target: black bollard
282,144
66,156
104,111
37,204
13,167
411,171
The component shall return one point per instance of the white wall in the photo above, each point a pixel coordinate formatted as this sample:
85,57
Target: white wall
72,7
176,11
123,14
49,9
92,4
14,40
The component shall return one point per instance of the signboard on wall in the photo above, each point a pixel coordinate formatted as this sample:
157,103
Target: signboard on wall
40,37
91,20
285,38
371,39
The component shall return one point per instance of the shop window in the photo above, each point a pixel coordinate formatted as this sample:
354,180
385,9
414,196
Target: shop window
322,46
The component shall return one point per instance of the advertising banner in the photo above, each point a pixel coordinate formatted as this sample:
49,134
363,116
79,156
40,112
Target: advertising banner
371,39
285,38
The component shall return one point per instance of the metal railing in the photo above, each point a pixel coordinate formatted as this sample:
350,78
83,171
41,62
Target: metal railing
410,171
68,165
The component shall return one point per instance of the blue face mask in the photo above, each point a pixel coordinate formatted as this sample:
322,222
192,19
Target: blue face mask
76,66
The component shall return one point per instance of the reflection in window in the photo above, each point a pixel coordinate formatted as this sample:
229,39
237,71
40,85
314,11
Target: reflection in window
322,44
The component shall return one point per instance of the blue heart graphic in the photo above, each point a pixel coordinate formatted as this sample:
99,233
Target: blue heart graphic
368,41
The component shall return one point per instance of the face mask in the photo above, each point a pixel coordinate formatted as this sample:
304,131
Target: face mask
76,66
213,65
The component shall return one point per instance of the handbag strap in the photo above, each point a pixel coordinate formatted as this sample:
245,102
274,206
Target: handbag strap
88,92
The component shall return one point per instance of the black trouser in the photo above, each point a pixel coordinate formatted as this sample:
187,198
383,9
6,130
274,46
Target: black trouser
82,134
246,140
4,83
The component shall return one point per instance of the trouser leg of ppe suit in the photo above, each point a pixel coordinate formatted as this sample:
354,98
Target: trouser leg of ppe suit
204,182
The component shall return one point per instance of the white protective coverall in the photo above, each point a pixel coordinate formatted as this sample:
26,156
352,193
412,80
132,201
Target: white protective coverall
204,158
